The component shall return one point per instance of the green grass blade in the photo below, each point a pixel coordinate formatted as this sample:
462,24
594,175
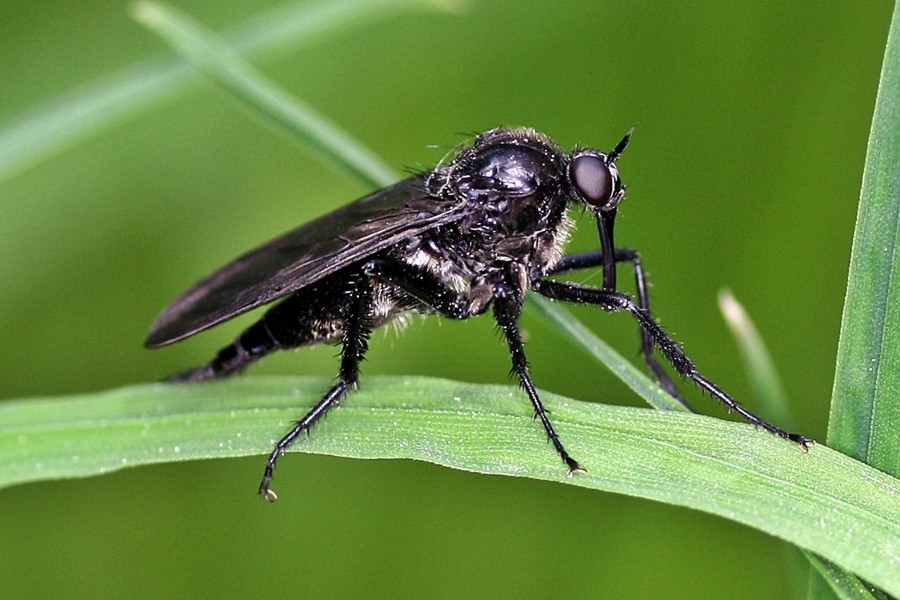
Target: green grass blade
761,373
865,410
220,62
728,469
770,395
841,584
77,114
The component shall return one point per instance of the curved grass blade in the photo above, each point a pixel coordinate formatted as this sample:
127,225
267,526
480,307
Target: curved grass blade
841,584
761,373
728,469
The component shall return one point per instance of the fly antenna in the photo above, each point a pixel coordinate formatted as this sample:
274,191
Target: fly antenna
620,147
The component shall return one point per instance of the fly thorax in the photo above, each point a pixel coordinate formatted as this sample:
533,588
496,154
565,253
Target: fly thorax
446,261
510,189
550,244
479,294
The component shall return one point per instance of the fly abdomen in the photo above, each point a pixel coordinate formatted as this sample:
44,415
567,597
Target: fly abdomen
296,321
249,347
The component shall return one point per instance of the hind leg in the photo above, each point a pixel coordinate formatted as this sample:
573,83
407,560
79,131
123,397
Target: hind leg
354,343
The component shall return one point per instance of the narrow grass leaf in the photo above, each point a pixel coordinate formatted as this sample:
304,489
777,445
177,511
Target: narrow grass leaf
822,500
79,113
865,410
761,373
841,584
223,64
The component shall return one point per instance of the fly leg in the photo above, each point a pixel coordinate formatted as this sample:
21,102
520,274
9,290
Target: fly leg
354,343
507,302
611,300
506,312
576,262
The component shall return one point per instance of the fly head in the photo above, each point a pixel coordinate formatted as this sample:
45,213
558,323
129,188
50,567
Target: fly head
595,179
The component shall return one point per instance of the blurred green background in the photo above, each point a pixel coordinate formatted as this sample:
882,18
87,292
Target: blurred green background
743,173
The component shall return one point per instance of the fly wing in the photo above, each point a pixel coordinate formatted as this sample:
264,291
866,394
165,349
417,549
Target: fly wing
302,257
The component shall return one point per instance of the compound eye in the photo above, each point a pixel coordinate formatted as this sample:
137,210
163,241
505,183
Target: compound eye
593,179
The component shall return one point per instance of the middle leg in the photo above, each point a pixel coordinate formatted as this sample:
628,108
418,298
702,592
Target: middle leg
423,286
506,312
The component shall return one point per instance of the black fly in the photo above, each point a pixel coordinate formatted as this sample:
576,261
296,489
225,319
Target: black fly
475,234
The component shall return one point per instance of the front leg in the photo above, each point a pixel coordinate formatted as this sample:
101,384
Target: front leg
616,301
588,260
